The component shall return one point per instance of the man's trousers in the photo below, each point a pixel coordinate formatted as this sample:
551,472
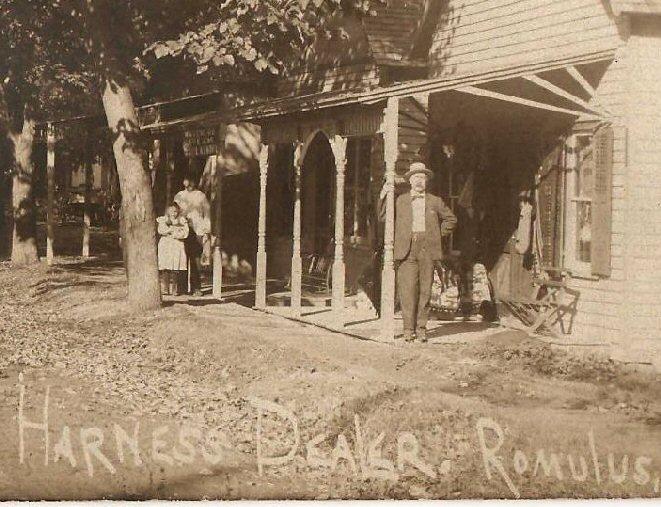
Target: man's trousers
415,275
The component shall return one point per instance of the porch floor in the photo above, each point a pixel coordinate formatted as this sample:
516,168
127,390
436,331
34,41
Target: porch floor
365,324
360,321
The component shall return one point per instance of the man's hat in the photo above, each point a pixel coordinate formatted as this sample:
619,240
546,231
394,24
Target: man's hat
418,167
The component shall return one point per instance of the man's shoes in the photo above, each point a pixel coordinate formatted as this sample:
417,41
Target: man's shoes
421,333
408,336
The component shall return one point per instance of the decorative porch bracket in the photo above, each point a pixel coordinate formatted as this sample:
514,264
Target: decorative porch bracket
580,79
390,124
260,275
480,92
339,147
296,267
560,92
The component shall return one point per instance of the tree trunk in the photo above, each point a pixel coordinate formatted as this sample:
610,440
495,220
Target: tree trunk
139,230
24,241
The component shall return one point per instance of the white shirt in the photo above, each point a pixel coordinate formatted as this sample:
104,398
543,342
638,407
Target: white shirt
418,205
196,208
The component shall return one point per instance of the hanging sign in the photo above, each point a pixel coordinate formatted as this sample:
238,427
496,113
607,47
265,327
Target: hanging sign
200,142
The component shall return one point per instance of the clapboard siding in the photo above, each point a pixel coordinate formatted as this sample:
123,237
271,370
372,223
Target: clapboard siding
599,313
642,303
411,132
490,34
637,6
345,77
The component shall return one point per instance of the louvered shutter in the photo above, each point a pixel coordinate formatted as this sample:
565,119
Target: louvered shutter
601,202
549,206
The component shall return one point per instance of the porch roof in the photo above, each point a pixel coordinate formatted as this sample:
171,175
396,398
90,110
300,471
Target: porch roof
265,110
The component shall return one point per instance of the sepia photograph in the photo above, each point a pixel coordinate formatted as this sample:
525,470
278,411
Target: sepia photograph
330,249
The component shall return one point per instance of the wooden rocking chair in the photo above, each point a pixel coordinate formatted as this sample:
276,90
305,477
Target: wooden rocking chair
540,314
317,272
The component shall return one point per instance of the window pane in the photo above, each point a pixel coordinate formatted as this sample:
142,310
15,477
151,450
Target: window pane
583,231
585,168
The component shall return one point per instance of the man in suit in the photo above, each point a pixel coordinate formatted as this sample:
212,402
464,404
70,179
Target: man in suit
421,219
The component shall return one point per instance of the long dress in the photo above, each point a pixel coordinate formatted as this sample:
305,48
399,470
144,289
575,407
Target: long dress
171,249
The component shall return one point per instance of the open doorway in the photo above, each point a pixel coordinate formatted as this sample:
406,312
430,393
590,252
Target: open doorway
318,198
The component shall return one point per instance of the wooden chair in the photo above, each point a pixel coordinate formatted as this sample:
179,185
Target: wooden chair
540,314
317,270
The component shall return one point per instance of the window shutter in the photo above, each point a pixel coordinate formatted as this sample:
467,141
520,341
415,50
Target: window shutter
549,209
601,202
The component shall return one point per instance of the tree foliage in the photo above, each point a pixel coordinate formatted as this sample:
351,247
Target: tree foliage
244,38
44,69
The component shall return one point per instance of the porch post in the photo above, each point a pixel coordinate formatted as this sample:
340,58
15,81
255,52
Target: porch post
169,168
50,176
260,274
156,159
217,260
89,181
390,120
296,268
339,147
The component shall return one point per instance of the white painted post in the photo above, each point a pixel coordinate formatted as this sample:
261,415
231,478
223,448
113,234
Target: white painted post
50,177
217,260
169,170
339,147
89,180
391,116
296,267
260,275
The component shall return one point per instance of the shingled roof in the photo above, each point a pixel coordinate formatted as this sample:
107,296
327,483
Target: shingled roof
392,31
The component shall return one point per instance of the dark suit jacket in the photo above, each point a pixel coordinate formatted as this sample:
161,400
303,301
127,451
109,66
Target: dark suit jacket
439,222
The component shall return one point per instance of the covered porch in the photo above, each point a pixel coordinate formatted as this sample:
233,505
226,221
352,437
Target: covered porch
498,131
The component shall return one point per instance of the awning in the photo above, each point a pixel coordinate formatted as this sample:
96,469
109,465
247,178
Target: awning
271,108
468,83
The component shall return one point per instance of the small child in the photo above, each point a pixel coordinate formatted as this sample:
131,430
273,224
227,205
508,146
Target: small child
172,260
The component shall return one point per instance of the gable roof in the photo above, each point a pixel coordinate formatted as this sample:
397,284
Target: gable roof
392,31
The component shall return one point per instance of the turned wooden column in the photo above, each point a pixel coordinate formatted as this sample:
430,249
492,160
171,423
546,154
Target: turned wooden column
296,267
217,256
169,170
89,183
50,177
390,123
339,147
260,273
156,158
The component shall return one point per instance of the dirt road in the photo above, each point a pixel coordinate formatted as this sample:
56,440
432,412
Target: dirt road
221,401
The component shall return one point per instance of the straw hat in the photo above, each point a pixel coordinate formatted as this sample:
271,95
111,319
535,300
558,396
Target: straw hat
418,167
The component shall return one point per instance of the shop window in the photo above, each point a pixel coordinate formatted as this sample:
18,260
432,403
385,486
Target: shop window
582,197
357,188
580,185
589,211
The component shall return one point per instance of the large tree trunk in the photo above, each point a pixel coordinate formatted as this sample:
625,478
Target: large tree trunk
24,241
139,231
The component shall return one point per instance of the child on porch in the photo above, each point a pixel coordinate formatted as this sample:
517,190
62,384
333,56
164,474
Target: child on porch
172,261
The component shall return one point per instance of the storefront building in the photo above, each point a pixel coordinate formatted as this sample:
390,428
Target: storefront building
560,100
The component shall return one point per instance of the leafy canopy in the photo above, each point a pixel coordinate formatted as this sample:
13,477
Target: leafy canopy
248,37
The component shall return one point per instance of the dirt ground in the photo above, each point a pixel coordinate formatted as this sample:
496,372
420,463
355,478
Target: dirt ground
220,401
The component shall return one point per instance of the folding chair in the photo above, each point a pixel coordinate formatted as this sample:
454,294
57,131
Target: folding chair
540,314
